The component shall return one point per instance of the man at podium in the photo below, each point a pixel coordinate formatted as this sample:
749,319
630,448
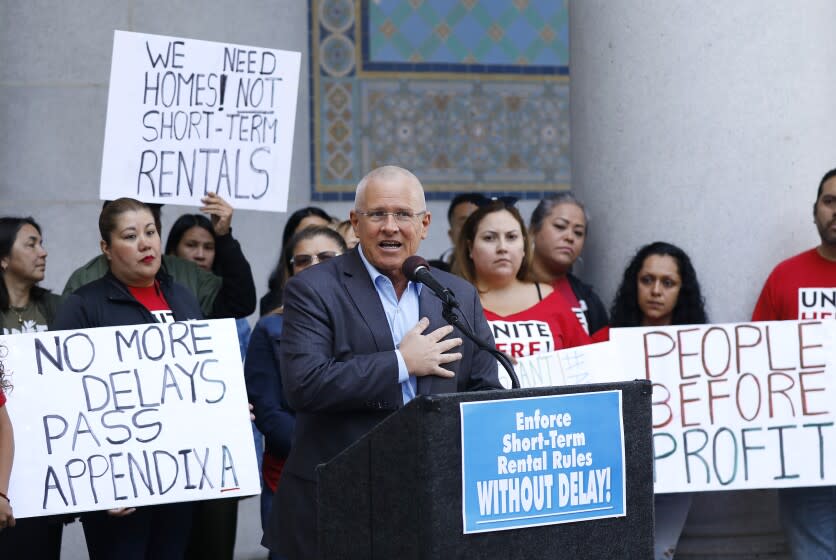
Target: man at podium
360,340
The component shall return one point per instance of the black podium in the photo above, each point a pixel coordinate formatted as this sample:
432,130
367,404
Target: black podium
397,493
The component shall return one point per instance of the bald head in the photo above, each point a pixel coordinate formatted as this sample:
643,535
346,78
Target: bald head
389,174
390,218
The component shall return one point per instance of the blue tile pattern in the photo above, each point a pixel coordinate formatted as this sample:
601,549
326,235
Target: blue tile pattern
469,94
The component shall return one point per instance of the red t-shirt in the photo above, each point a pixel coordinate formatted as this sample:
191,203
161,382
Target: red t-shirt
271,469
2,398
801,287
547,326
564,287
152,298
601,335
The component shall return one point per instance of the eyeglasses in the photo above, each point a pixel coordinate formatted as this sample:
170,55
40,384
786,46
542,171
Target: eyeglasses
306,260
401,216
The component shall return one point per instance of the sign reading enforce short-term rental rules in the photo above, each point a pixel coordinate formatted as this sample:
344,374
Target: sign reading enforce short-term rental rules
542,460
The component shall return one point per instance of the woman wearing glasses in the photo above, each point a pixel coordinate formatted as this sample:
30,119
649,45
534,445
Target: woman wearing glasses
527,318
299,220
558,229
273,416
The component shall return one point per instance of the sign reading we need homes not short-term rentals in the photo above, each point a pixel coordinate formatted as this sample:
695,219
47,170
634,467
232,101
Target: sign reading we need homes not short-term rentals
128,416
735,406
188,117
542,460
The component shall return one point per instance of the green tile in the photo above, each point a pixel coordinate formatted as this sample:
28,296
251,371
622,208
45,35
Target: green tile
428,47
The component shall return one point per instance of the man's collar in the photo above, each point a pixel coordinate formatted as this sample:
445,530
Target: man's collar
374,273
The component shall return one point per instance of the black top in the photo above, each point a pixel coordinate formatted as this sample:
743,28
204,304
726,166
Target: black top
106,302
236,297
596,313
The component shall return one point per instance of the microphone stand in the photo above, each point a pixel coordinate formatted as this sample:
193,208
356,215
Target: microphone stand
449,314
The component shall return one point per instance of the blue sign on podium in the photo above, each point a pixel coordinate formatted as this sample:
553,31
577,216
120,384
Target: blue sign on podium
542,460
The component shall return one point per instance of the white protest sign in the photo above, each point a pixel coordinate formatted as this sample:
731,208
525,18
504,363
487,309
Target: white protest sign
738,406
188,117
594,363
128,416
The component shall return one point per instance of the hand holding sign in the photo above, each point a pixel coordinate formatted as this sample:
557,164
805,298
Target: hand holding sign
7,519
120,512
221,213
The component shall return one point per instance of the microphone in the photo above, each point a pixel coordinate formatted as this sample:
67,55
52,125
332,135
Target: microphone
417,269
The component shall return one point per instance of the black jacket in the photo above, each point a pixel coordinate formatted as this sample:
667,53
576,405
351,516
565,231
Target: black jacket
596,313
106,302
236,297
228,291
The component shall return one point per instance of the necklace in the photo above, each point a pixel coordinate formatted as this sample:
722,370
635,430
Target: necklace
19,311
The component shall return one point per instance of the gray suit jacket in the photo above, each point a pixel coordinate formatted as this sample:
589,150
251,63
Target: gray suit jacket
338,364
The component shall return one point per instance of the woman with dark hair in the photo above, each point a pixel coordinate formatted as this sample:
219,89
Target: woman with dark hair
231,296
24,306
7,453
526,318
299,220
210,245
559,226
134,291
660,288
273,416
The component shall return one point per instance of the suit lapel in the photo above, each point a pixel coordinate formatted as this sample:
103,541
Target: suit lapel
430,306
361,291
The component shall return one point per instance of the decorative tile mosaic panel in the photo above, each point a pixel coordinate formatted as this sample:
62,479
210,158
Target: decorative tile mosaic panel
498,33
468,94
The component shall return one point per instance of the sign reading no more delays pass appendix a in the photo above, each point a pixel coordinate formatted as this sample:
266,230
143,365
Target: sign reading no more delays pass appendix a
128,416
542,460
188,117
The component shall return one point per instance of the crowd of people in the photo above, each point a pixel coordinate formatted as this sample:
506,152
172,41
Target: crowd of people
345,338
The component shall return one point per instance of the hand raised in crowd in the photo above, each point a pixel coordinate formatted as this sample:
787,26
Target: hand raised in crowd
220,210
424,354
7,519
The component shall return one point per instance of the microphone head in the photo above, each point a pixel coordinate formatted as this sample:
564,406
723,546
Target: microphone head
411,266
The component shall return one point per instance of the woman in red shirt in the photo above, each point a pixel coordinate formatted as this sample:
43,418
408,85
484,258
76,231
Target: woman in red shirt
526,318
135,291
558,227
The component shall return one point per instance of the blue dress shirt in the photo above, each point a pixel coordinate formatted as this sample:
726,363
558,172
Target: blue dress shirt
402,315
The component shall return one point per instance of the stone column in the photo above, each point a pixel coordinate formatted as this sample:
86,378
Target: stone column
708,125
